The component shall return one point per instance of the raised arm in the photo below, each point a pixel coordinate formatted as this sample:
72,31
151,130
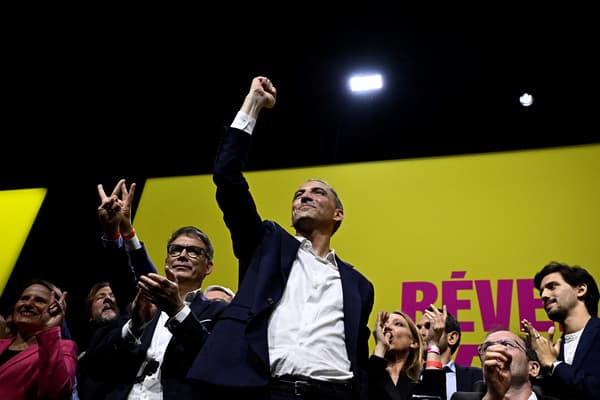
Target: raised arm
233,195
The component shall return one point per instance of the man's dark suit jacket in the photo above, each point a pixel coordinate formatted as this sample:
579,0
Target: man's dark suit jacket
237,353
580,380
116,361
466,377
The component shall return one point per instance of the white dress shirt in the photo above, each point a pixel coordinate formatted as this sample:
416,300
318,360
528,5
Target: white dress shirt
306,329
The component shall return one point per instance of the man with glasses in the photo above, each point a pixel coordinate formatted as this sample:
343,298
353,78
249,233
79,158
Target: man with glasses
510,366
170,318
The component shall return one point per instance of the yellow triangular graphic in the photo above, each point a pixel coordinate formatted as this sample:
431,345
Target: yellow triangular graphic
18,209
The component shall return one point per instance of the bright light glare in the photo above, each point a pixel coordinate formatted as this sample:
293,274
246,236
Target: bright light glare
366,83
526,100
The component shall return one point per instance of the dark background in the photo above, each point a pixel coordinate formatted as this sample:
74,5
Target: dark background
105,94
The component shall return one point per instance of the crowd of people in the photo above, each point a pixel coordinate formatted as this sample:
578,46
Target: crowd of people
297,327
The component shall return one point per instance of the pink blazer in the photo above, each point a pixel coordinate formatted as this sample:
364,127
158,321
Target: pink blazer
44,370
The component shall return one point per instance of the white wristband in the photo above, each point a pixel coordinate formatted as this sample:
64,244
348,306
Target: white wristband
433,349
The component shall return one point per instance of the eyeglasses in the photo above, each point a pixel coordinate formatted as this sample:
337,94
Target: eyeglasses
507,343
175,250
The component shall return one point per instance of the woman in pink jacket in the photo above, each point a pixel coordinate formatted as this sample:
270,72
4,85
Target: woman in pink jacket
37,363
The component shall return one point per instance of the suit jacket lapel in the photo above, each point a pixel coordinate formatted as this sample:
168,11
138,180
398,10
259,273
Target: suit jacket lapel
146,338
271,289
351,307
585,342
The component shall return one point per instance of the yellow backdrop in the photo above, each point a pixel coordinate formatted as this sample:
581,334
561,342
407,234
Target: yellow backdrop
18,209
466,231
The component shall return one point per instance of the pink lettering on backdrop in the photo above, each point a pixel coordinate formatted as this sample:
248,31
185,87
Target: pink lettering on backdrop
495,312
500,318
453,303
529,302
466,353
412,292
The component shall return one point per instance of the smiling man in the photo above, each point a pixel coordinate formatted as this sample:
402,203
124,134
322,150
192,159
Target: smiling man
147,354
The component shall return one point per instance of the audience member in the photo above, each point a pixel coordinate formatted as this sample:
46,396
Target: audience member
218,292
510,366
170,320
298,324
93,377
395,367
101,304
572,364
458,377
37,362
123,259
124,255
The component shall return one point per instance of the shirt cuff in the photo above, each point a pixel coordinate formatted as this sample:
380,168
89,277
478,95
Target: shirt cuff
244,122
112,244
172,323
132,244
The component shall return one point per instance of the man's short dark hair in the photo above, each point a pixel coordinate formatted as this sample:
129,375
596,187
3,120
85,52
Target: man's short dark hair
197,233
574,276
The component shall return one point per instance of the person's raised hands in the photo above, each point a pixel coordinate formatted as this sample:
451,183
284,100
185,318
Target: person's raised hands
547,349
262,94
162,291
496,371
437,321
114,211
127,195
110,210
142,311
56,310
380,334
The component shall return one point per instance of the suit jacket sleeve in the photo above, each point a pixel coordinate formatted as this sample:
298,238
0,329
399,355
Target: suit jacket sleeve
189,336
115,268
581,380
234,198
57,364
122,270
140,262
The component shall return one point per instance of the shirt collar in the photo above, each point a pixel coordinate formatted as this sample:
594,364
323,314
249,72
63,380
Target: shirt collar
451,366
306,245
191,296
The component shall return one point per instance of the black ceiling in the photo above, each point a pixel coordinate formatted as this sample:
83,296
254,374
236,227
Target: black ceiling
149,97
